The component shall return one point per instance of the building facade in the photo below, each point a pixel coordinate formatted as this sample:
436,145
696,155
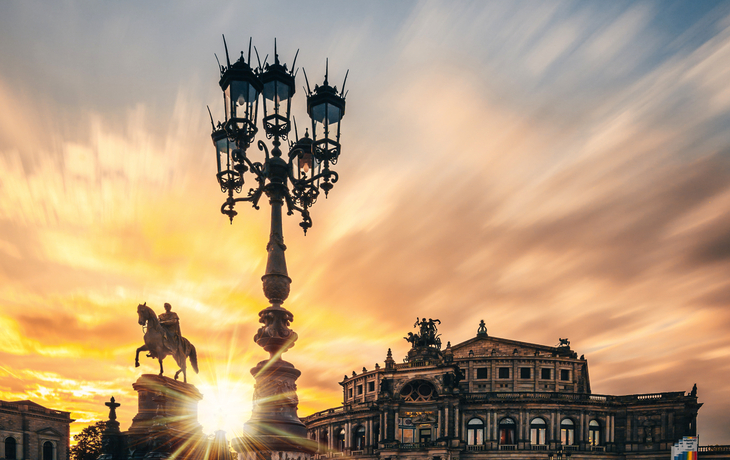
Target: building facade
490,397
29,431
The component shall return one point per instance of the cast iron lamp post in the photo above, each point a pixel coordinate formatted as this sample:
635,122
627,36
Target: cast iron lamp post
294,179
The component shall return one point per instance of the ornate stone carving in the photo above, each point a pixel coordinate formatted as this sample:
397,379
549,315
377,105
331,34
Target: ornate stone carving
275,336
276,288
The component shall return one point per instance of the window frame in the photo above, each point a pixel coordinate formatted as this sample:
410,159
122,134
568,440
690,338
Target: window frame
52,450
507,431
475,432
567,432
594,433
538,432
14,443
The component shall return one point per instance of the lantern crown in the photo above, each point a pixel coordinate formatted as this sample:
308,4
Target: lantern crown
294,179
239,71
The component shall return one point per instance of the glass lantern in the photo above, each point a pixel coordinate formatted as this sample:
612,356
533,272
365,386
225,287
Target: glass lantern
326,109
241,88
278,89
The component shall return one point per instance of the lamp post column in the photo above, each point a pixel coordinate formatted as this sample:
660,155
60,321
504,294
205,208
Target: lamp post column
274,425
274,430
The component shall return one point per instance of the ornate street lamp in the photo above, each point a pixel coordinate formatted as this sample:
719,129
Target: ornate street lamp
294,179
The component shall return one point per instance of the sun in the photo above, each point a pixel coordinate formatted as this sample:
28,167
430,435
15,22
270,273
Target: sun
226,405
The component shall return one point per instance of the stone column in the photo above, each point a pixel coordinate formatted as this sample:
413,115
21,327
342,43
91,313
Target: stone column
370,431
488,432
613,427
348,436
382,433
446,420
495,427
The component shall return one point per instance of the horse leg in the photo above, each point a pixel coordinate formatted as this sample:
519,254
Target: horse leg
136,358
182,369
160,360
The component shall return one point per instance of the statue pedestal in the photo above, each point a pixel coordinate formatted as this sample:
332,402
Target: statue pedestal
274,431
167,418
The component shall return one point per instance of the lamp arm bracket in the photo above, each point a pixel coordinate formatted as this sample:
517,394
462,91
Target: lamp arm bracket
263,148
331,175
291,207
254,195
256,168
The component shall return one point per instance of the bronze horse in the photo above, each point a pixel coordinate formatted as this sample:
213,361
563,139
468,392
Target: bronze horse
155,343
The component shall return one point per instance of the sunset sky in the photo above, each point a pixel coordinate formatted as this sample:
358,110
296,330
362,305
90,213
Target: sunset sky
558,169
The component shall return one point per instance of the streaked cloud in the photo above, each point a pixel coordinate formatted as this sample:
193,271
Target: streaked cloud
556,169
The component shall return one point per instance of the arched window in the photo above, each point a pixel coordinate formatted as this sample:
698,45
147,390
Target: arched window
507,431
475,432
594,433
359,438
418,390
538,428
48,450
11,449
567,432
341,439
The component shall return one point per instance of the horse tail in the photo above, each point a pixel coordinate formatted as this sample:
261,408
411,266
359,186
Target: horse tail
193,358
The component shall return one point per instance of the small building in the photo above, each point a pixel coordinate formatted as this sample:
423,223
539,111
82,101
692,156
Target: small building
490,397
29,431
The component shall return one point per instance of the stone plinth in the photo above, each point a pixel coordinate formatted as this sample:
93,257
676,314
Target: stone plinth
274,431
166,423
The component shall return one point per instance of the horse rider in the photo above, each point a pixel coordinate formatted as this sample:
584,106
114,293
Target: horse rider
171,322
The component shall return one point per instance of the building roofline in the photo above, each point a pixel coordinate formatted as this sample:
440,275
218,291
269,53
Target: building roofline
505,341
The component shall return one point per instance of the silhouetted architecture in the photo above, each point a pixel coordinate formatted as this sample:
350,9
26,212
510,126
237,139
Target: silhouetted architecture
166,425
490,397
294,177
30,431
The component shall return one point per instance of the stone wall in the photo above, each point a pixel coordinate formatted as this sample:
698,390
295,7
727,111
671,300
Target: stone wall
32,426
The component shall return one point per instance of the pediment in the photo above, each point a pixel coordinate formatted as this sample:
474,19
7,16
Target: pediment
496,346
48,431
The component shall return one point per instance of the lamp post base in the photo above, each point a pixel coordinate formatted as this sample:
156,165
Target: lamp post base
274,431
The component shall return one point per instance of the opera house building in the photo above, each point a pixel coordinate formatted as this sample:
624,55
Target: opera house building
490,397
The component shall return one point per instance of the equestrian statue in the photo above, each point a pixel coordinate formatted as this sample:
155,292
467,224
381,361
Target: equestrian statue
162,337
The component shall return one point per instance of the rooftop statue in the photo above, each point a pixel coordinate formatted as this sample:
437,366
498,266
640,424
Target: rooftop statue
162,338
427,335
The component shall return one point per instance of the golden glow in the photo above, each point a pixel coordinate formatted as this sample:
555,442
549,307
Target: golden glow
552,174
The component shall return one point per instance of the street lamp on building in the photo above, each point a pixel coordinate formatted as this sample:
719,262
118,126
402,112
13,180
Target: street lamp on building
294,179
